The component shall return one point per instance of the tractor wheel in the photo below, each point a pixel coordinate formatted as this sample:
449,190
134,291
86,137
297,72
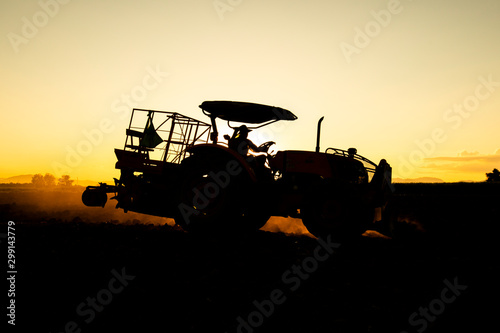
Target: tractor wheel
339,210
212,200
94,197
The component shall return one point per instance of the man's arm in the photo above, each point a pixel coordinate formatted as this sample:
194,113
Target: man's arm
253,147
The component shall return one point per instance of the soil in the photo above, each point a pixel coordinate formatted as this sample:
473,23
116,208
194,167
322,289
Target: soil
82,269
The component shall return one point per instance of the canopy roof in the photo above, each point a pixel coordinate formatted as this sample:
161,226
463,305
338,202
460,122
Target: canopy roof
244,112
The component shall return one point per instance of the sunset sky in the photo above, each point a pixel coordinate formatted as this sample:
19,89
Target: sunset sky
414,82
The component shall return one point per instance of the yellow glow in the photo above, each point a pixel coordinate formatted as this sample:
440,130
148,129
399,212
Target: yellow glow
287,225
70,80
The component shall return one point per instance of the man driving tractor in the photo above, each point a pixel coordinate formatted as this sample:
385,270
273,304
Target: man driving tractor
330,191
240,142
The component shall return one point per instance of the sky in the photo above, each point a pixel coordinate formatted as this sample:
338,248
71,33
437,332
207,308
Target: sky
414,82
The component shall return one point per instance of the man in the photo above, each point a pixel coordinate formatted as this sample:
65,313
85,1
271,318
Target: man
240,142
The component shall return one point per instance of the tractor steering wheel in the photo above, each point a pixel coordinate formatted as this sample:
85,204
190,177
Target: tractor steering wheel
265,146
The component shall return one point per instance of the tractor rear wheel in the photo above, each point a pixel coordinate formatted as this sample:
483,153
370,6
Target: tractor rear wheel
336,209
212,200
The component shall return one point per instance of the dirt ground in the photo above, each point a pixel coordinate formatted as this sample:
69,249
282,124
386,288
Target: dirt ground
83,269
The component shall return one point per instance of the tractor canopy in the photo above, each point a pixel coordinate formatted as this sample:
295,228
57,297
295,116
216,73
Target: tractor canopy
244,112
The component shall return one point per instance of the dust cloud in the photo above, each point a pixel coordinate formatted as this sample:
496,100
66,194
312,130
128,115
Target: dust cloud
286,225
27,204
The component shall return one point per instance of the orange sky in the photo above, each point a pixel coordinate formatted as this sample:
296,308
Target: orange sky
415,82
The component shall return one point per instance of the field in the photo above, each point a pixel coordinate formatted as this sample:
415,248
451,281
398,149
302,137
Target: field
83,269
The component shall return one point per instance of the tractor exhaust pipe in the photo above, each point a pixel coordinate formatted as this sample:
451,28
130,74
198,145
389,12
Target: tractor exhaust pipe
319,134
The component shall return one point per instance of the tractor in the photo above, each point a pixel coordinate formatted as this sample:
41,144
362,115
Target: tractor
175,166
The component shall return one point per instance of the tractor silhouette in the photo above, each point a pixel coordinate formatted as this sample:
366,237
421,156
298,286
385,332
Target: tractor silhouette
174,166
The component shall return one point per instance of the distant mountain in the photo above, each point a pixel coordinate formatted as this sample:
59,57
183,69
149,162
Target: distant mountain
22,179
418,180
